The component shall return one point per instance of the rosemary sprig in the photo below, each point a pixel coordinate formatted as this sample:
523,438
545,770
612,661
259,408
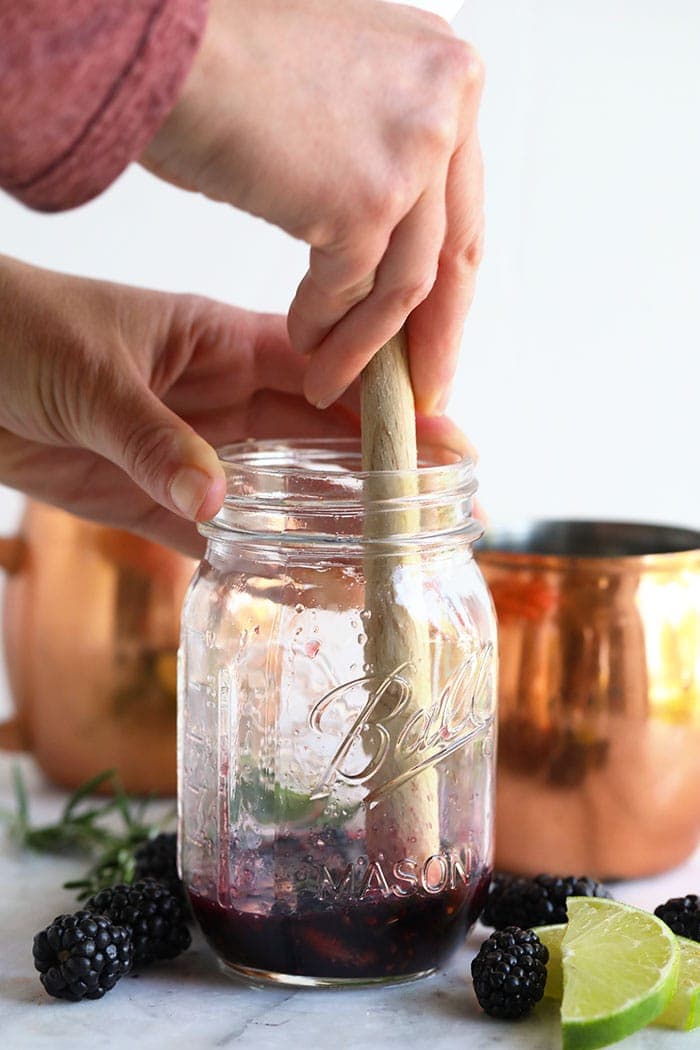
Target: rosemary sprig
80,830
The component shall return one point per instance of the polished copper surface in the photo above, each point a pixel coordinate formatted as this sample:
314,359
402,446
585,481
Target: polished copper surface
91,625
599,720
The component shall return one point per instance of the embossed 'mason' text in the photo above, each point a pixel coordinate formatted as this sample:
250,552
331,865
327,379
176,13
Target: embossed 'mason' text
366,879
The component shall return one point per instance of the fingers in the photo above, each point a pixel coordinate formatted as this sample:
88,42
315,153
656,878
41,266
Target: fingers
479,512
94,488
351,302
270,415
77,480
278,416
157,450
227,355
404,278
277,365
339,277
435,326
441,440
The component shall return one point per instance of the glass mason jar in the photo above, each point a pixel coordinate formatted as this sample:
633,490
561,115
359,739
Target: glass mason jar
336,727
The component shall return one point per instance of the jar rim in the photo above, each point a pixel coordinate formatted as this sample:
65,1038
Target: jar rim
317,486
237,455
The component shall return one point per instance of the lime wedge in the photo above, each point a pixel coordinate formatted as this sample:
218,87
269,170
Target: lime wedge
620,967
551,937
682,1012
684,1009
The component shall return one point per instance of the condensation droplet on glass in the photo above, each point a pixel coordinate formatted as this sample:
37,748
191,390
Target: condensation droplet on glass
298,608
361,639
209,637
311,649
256,629
366,614
354,624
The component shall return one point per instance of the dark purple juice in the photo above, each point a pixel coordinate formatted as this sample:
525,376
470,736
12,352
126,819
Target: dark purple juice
345,920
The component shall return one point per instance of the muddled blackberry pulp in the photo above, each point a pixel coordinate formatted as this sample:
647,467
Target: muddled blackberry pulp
316,906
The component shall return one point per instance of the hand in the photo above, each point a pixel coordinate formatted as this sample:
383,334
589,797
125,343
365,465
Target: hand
353,127
112,397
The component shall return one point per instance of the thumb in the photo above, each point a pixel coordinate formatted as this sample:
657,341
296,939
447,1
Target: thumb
160,453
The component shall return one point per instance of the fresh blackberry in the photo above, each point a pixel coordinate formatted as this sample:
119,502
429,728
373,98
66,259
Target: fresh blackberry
157,859
517,901
154,917
510,972
682,914
82,956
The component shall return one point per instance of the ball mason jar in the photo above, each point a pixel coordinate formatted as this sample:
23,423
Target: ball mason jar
337,682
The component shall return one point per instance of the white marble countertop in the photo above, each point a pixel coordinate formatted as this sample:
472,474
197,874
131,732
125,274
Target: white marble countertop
190,1004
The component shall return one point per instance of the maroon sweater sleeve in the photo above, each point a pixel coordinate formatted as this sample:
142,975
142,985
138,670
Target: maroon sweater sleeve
84,86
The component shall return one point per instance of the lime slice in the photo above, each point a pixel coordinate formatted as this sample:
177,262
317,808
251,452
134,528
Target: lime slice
620,967
684,1009
551,937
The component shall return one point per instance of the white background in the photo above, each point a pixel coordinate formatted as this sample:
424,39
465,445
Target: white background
579,379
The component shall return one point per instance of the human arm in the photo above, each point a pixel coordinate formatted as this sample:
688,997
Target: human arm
85,86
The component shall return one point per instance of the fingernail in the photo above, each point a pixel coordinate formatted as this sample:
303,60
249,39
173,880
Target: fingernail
327,399
188,490
437,405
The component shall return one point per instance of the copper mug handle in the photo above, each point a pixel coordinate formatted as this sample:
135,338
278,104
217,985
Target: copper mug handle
12,732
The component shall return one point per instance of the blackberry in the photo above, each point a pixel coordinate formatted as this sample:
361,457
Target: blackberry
154,917
157,859
82,956
516,901
682,914
510,972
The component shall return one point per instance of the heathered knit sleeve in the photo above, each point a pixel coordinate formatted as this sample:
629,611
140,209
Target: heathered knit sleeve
84,86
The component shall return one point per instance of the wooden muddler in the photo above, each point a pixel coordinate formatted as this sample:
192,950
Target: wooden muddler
403,822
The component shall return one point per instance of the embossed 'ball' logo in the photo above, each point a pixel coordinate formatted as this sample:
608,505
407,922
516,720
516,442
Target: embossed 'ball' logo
393,731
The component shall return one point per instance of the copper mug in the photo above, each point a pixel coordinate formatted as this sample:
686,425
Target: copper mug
599,696
91,626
